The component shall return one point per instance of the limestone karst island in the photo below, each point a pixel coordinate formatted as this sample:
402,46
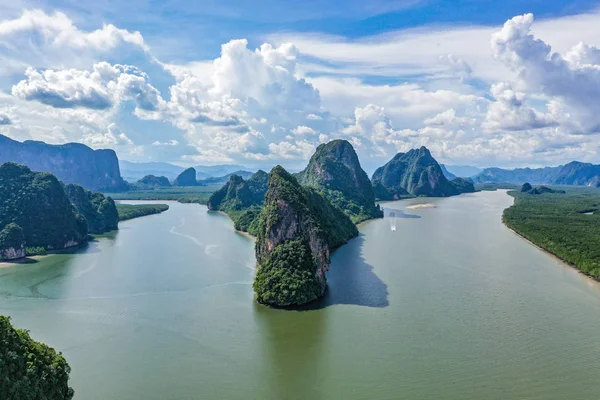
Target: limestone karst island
299,200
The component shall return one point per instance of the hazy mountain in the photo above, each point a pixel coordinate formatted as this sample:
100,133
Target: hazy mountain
70,163
133,171
573,173
218,180
212,171
186,178
449,175
462,171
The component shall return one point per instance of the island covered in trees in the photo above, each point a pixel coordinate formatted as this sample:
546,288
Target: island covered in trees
38,213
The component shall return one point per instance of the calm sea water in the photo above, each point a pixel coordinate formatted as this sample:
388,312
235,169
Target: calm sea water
450,305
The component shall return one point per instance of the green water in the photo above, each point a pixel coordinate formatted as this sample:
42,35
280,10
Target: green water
452,305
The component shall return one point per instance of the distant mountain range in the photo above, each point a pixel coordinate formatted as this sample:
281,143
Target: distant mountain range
133,171
71,163
573,173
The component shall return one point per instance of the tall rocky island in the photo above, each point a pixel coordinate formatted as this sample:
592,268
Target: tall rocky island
30,370
39,213
335,170
415,173
70,163
298,230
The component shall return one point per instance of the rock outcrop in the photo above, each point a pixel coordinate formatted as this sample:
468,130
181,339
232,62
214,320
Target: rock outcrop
335,170
415,173
37,202
99,211
152,182
299,228
70,163
12,242
186,178
238,194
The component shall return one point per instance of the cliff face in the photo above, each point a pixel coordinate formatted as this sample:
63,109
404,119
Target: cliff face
186,178
238,193
12,242
335,170
37,202
99,211
414,173
299,228
70,163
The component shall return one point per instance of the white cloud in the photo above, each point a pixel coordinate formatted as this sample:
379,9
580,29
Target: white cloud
574,79
99,89
169,143
112,137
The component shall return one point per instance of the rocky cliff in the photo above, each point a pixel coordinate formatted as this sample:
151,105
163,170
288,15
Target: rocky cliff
299,228
186,178
415,173
238,193
335,170
70,163
12,242
100,212
37,202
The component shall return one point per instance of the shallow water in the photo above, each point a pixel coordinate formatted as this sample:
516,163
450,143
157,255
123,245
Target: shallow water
451,305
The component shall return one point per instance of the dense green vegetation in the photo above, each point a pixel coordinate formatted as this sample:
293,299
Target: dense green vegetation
297,229
242,200
100,212
130,211
415,173
191,194
335,171
287,276
558,223
12,242
30,370
37,202
238,194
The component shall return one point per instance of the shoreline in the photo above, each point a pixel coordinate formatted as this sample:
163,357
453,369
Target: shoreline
565,263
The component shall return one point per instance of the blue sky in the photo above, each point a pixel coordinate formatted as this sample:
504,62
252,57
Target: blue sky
475,81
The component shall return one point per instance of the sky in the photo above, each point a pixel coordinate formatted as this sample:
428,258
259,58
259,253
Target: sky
260,83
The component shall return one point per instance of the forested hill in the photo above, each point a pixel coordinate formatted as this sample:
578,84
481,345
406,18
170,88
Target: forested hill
335,170
415,173
39,213
70,163
298,229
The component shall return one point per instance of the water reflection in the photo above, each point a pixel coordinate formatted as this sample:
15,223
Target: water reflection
293,347
351,280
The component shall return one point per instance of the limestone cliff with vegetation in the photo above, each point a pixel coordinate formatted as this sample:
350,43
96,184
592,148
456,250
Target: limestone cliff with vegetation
335,170
99,211
298,229
415,173
37,202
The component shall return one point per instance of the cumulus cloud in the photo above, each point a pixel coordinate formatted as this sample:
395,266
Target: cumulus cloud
168,143
510,112
112,137
573,79
5,119
99,89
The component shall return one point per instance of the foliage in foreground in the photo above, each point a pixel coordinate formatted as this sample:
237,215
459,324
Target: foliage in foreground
561,224
30,370
130,211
